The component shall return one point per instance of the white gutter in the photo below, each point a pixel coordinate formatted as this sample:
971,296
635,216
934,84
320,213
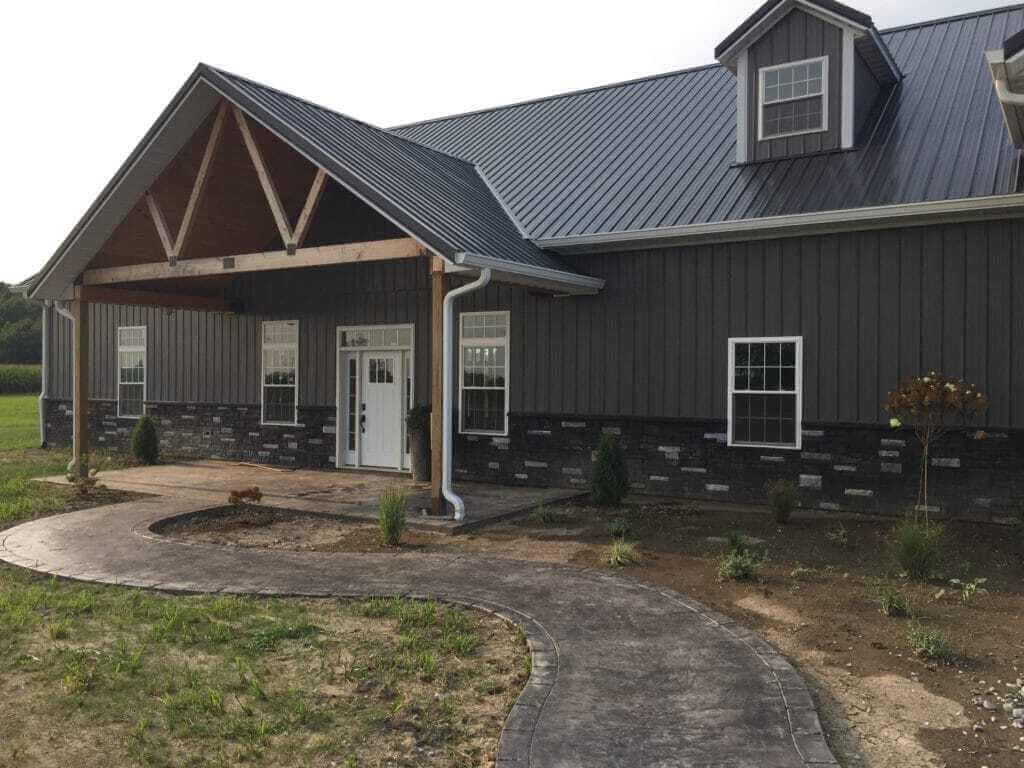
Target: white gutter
569,282
1010,102
868,217
447,391
45,368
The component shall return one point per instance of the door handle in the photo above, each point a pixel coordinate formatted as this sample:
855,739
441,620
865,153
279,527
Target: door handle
362,423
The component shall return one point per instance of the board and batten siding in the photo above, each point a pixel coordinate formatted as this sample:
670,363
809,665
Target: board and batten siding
873,307
215,357
797,36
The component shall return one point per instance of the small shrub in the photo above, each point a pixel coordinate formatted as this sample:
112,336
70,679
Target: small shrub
392,516
838,535
622,553
618,528
969,588
916,547
933,645
782,498
894,604
611,478
145,443
543,515
245,495
739,566
737,543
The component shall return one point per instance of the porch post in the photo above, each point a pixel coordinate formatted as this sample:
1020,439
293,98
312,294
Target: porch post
436,383
80,392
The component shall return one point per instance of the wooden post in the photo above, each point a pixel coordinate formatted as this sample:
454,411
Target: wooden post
80,394
437,382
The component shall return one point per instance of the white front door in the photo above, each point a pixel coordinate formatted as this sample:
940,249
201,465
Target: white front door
380,417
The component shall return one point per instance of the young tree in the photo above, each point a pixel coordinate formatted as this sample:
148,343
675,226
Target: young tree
932,405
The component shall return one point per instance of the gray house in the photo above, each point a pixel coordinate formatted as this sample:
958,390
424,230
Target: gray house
728,266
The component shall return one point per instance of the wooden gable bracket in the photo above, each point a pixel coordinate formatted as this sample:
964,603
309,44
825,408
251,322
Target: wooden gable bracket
174,248
292,238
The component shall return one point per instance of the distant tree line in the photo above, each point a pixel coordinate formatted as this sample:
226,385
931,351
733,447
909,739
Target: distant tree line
20,328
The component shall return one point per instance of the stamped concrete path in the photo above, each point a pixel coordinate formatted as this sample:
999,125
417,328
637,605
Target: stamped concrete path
623,674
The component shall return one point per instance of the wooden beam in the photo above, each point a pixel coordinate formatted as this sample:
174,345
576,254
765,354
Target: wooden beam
200,183
312,200
317,256
269,190
161,227
436,383
103,295
80,387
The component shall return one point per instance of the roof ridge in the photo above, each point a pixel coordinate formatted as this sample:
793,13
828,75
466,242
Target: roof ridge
316,105
954,17
564,94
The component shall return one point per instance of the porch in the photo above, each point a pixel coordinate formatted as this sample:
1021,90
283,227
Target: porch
349,494
263,257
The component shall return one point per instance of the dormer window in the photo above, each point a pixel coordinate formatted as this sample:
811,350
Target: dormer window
793,98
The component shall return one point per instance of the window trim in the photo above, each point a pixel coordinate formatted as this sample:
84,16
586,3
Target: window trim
145,366
263,374
475,342
761,104
798,382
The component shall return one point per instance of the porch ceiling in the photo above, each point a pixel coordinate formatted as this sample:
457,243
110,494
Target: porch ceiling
378,186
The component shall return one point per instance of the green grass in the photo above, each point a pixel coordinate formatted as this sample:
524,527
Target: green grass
108,675
19,422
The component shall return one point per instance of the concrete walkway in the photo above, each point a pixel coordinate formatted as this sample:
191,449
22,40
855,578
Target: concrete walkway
351,494
623,674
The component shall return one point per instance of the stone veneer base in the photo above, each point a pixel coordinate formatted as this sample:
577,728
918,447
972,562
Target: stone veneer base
840,466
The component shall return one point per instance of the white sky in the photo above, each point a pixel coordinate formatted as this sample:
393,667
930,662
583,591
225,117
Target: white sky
85,80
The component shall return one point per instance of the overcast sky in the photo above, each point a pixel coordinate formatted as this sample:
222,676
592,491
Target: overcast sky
85,80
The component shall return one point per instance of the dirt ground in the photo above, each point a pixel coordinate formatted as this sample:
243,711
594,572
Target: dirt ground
816,598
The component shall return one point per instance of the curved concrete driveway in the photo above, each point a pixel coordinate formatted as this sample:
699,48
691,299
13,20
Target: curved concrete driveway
623,674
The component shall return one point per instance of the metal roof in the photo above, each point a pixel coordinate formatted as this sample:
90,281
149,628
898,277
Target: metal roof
659,152
441,200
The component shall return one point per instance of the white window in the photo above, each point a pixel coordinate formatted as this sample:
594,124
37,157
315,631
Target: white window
483,372
766,391
131,371
280,371
793,98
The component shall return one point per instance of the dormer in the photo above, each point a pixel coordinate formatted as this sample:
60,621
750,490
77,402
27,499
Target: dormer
809,75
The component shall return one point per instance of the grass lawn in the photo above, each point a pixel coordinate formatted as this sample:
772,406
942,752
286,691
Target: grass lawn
94,675
104,676
19,422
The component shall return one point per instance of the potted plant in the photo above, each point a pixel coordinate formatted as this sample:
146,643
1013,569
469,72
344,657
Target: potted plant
418,423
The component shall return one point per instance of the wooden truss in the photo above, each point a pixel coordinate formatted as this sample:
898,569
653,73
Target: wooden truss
292,238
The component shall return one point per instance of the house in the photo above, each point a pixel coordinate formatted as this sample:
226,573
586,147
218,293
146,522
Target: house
727,266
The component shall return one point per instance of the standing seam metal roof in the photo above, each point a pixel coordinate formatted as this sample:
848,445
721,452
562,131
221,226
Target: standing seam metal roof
659,152
440,198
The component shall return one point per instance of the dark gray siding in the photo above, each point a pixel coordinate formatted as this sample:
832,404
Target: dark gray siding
214,357
865,93
797,36
873,307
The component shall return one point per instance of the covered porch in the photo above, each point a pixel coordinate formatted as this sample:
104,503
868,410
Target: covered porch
325,249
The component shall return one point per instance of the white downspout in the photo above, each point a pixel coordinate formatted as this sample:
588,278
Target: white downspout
44,387
448,391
